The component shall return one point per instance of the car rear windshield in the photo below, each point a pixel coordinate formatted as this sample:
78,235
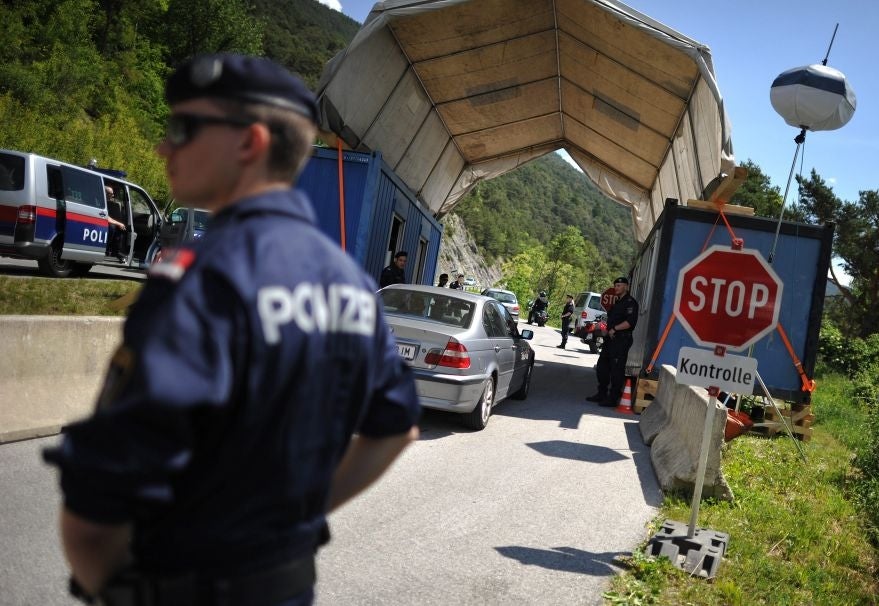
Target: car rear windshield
437,308
11,172
503,297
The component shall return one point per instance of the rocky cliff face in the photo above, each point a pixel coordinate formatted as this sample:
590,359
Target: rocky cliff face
458,252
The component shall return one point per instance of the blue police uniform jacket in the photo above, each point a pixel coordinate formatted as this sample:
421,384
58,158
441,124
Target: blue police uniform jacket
247,362
624,309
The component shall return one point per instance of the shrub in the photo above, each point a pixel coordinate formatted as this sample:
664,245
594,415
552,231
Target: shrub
848,355
866,486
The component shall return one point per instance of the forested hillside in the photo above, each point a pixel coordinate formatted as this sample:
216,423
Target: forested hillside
538,201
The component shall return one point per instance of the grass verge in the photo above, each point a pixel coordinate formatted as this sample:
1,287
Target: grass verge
70,296
796,534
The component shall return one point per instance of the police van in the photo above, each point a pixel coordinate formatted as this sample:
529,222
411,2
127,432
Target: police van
56,213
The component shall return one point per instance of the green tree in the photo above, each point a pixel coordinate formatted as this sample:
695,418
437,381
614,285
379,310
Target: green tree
757,192
208,26
855,243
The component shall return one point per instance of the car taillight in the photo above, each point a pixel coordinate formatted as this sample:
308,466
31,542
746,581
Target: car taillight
453,356
516,308
27,214
583,315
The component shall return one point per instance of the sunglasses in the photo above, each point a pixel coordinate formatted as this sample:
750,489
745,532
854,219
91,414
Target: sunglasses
183,128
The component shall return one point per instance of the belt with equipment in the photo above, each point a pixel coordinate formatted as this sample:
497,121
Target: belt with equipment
263,588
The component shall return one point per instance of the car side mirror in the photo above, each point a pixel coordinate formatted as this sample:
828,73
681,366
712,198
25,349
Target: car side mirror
526,334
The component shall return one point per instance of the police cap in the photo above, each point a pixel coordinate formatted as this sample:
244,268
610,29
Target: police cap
621,280
242,78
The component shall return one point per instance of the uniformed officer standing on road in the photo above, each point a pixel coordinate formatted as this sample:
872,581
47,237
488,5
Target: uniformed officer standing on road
611,367
224,431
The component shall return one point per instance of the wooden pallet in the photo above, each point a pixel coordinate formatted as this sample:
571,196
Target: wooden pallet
645,394
800,422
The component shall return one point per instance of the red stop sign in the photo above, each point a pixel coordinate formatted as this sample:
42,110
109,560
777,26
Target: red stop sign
728,297
608,298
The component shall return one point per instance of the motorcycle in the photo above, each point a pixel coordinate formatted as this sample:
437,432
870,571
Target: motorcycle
540,317
594,332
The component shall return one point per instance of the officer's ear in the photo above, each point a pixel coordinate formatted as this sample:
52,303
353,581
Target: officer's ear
256,141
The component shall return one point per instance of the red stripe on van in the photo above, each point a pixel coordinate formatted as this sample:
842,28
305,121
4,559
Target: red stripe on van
87,219
50,212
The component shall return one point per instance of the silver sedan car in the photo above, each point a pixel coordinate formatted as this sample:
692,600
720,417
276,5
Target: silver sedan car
465,349
507,297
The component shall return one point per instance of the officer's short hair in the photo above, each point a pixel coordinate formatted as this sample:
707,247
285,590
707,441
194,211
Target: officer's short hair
400,253
292,136
259,89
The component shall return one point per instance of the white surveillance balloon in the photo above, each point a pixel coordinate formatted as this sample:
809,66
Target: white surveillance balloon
813,97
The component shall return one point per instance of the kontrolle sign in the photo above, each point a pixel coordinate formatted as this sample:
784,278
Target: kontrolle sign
728,297
732,374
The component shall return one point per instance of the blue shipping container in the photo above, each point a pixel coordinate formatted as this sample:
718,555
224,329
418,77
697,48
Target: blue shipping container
381,214
802,259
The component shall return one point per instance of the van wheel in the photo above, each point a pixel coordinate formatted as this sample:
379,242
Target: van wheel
53,265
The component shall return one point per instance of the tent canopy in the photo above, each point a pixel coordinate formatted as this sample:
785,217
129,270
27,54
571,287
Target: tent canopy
456,91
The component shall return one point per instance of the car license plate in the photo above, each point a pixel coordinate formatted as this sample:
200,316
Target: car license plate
407,351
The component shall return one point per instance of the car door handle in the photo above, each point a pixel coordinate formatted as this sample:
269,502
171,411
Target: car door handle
497,348
102,214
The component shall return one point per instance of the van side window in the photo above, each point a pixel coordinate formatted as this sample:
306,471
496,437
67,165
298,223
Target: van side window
83,188
595,303
139,204
53,178
11,172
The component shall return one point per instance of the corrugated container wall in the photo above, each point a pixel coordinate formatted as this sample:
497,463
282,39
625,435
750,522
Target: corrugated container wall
801,260
381,213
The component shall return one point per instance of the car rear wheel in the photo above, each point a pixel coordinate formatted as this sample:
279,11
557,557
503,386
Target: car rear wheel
478,417
526,383
53,265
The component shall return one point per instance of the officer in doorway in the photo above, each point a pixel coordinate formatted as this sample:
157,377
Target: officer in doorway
223,434
395,273
611,367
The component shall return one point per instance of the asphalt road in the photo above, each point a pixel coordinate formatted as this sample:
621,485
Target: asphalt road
531,510
25,268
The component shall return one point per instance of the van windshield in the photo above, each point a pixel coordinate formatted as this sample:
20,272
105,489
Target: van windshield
11,172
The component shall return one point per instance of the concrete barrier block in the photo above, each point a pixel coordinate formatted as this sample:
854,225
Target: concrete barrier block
53,369
677,442
653,421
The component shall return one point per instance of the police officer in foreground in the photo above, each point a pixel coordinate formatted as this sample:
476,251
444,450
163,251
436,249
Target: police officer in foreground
611,367
223,434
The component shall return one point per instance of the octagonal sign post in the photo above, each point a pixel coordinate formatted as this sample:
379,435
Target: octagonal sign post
728,297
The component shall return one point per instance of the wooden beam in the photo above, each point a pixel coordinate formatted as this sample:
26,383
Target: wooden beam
733,209
729,185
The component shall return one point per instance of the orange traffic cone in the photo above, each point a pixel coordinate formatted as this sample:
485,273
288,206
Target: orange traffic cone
625,405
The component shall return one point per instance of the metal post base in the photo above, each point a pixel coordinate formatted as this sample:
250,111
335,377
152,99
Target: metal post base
698,555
